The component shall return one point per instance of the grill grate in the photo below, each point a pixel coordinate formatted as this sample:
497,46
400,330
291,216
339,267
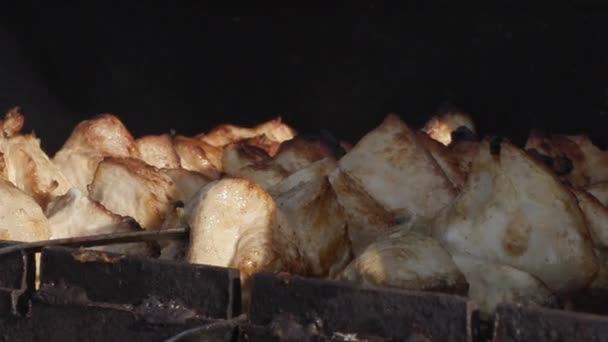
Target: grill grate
97,296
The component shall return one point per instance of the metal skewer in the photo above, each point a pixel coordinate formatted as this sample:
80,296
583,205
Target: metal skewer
100,240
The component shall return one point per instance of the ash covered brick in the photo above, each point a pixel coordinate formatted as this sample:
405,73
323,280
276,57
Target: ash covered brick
331,307
514,323
71,275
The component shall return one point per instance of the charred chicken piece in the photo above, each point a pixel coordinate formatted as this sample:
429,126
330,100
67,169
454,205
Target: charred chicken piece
158,151
575,158
442,127
311,210
407,260
21,218
130,187
76,215
242,159
90,142
515,212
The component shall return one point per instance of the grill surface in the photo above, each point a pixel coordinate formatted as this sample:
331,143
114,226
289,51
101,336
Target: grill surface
96,296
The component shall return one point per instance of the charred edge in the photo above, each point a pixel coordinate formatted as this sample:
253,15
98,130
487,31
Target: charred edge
495,146
333,143
463,134
548,161
179,204
562,165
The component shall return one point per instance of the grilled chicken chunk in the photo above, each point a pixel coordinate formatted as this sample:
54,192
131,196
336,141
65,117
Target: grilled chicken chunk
76,215
574,158
158,151
493,283
222,135
236,223
130,187
596,217
12,123
21,218
441,128
407,260
311,210
196,155
187,183
245,160
30,169
514,211
91,141
389,177
449,161
599,191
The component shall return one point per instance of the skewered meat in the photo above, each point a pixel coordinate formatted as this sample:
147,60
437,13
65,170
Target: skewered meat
599,191
493,283
574,158
130,187
441,127
407,260
158,151
596,217
187,182
75,215
225,134
235,223
196,155
21,218
245,160
91,141
449,161
311,210
30,169
12,123
514,211
389,176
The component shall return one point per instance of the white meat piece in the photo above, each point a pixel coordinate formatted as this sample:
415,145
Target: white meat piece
187,182
21,218
235,223
31,170
195,155
311,209
599,191
76,215
130,187
225,134
398,172
158,151
406,260
491,284
92,140
516,212
12,123
596,217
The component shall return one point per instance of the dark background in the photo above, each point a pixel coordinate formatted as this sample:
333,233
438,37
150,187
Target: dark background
188,66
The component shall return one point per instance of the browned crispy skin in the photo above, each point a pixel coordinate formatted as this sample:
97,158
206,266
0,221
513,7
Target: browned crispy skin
196,155
158,151
130,187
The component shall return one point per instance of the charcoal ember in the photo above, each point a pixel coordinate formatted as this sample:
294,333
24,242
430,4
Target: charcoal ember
335,307
515,323
87,323
178,288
